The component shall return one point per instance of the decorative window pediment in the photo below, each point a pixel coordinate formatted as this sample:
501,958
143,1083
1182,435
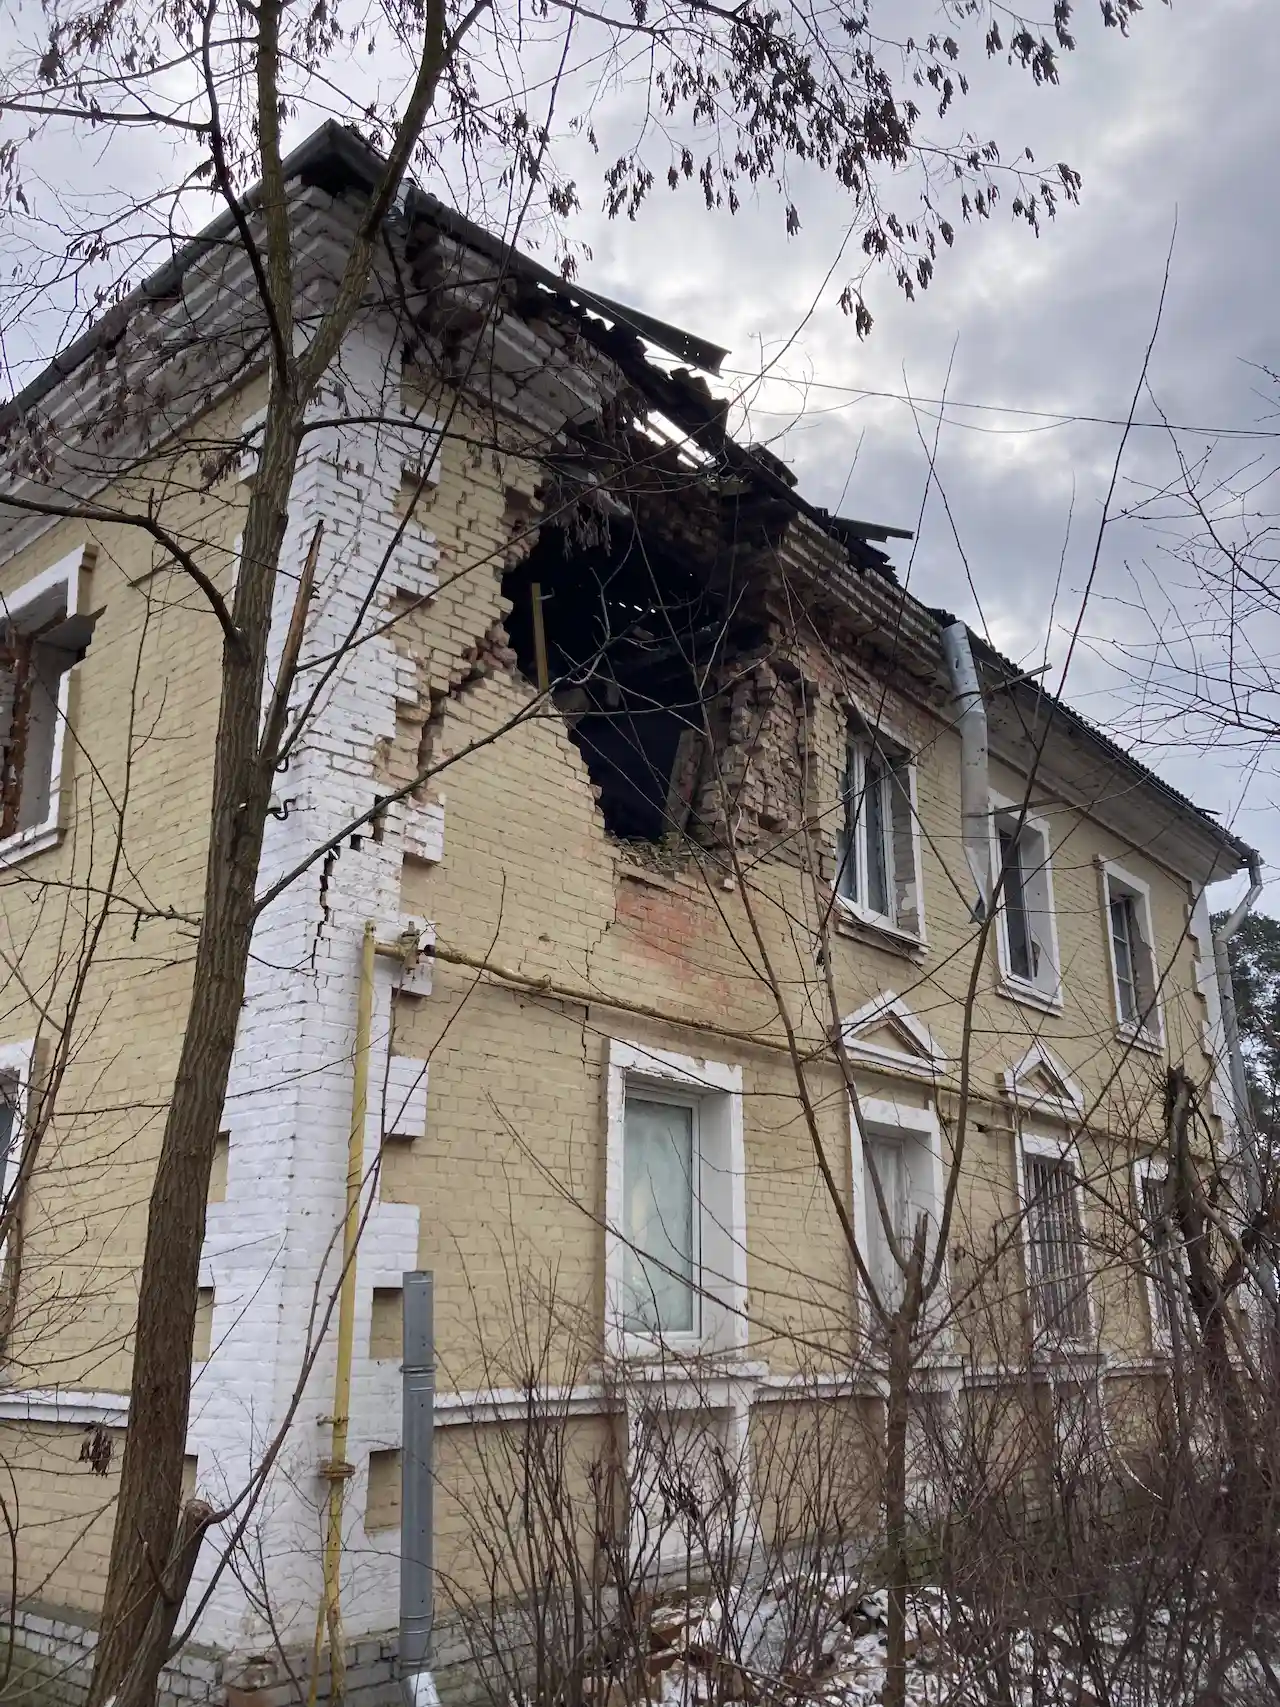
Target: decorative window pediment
885,1033
1038,1081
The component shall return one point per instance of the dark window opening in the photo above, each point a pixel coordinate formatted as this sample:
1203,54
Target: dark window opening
36,652
630,629
8,1121
1022,950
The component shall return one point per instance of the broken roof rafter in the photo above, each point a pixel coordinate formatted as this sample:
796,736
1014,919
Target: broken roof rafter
833,554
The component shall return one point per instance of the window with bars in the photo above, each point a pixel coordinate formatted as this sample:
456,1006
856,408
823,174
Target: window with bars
1133,962
1026,936
1164,1268
876,850
1055,1248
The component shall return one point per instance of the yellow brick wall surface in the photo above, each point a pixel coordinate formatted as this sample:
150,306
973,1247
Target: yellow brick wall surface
115,977
509,1176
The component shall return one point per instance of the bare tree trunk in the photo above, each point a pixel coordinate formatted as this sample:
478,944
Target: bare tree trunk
1208,1299
155,1444
1248,1495
138,1687
900,1371
897,1561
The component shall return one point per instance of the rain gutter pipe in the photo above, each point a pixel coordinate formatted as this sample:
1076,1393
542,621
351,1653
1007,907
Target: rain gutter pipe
418,1375
970,714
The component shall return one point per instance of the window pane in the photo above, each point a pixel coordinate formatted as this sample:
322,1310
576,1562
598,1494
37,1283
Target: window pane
659,1159
1055,1245
1161,1259
8,1091
877,816
888,1160
847,852
49,665
1144,961
1017,924
1122,936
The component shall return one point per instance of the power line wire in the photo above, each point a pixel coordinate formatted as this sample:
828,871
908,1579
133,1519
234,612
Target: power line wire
1054,418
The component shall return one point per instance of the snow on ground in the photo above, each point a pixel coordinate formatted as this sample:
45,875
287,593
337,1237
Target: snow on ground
698,1653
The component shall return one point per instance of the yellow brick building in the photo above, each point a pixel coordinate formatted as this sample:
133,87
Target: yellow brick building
664,768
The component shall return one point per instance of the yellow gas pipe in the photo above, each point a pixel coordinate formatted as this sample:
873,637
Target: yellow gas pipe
337,1470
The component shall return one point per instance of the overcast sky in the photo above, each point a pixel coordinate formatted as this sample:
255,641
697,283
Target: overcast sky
1175,125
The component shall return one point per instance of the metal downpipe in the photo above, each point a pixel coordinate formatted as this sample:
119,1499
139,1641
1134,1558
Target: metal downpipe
975,794
336,1469
418,1380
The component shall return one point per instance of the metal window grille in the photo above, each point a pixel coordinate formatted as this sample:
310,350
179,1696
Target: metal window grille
1163,1290
1059,1286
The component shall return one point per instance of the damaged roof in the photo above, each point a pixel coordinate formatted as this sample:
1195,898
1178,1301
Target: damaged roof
336,159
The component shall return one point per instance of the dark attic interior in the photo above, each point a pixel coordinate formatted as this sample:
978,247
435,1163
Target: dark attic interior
633,629
644,604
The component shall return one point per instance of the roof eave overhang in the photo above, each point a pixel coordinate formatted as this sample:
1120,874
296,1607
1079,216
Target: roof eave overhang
1071,760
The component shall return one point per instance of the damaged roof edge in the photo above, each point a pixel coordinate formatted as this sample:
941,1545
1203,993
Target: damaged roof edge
335,158
697,351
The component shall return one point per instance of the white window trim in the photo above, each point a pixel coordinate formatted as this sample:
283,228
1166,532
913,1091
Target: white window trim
670,1095
1145,1168
716,1087
16,1062
718,1407
1024,989
1030,1142
1066,1105
888,1114
846,906
1148,1033
926,1060
65,573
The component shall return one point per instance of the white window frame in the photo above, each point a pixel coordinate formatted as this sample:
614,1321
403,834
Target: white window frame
15,1064
1044,990
672,1096
720,1240
1033,1142
908,1124
861,735
1147,1168
1149,1031
716,1412
919,1055
64,575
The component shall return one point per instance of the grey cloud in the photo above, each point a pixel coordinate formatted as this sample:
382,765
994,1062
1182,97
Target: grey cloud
1178,121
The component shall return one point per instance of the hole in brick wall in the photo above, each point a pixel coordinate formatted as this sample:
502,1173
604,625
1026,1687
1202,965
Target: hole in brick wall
631,626
218,1172
382,1500
202,1337
386,1327
416,494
